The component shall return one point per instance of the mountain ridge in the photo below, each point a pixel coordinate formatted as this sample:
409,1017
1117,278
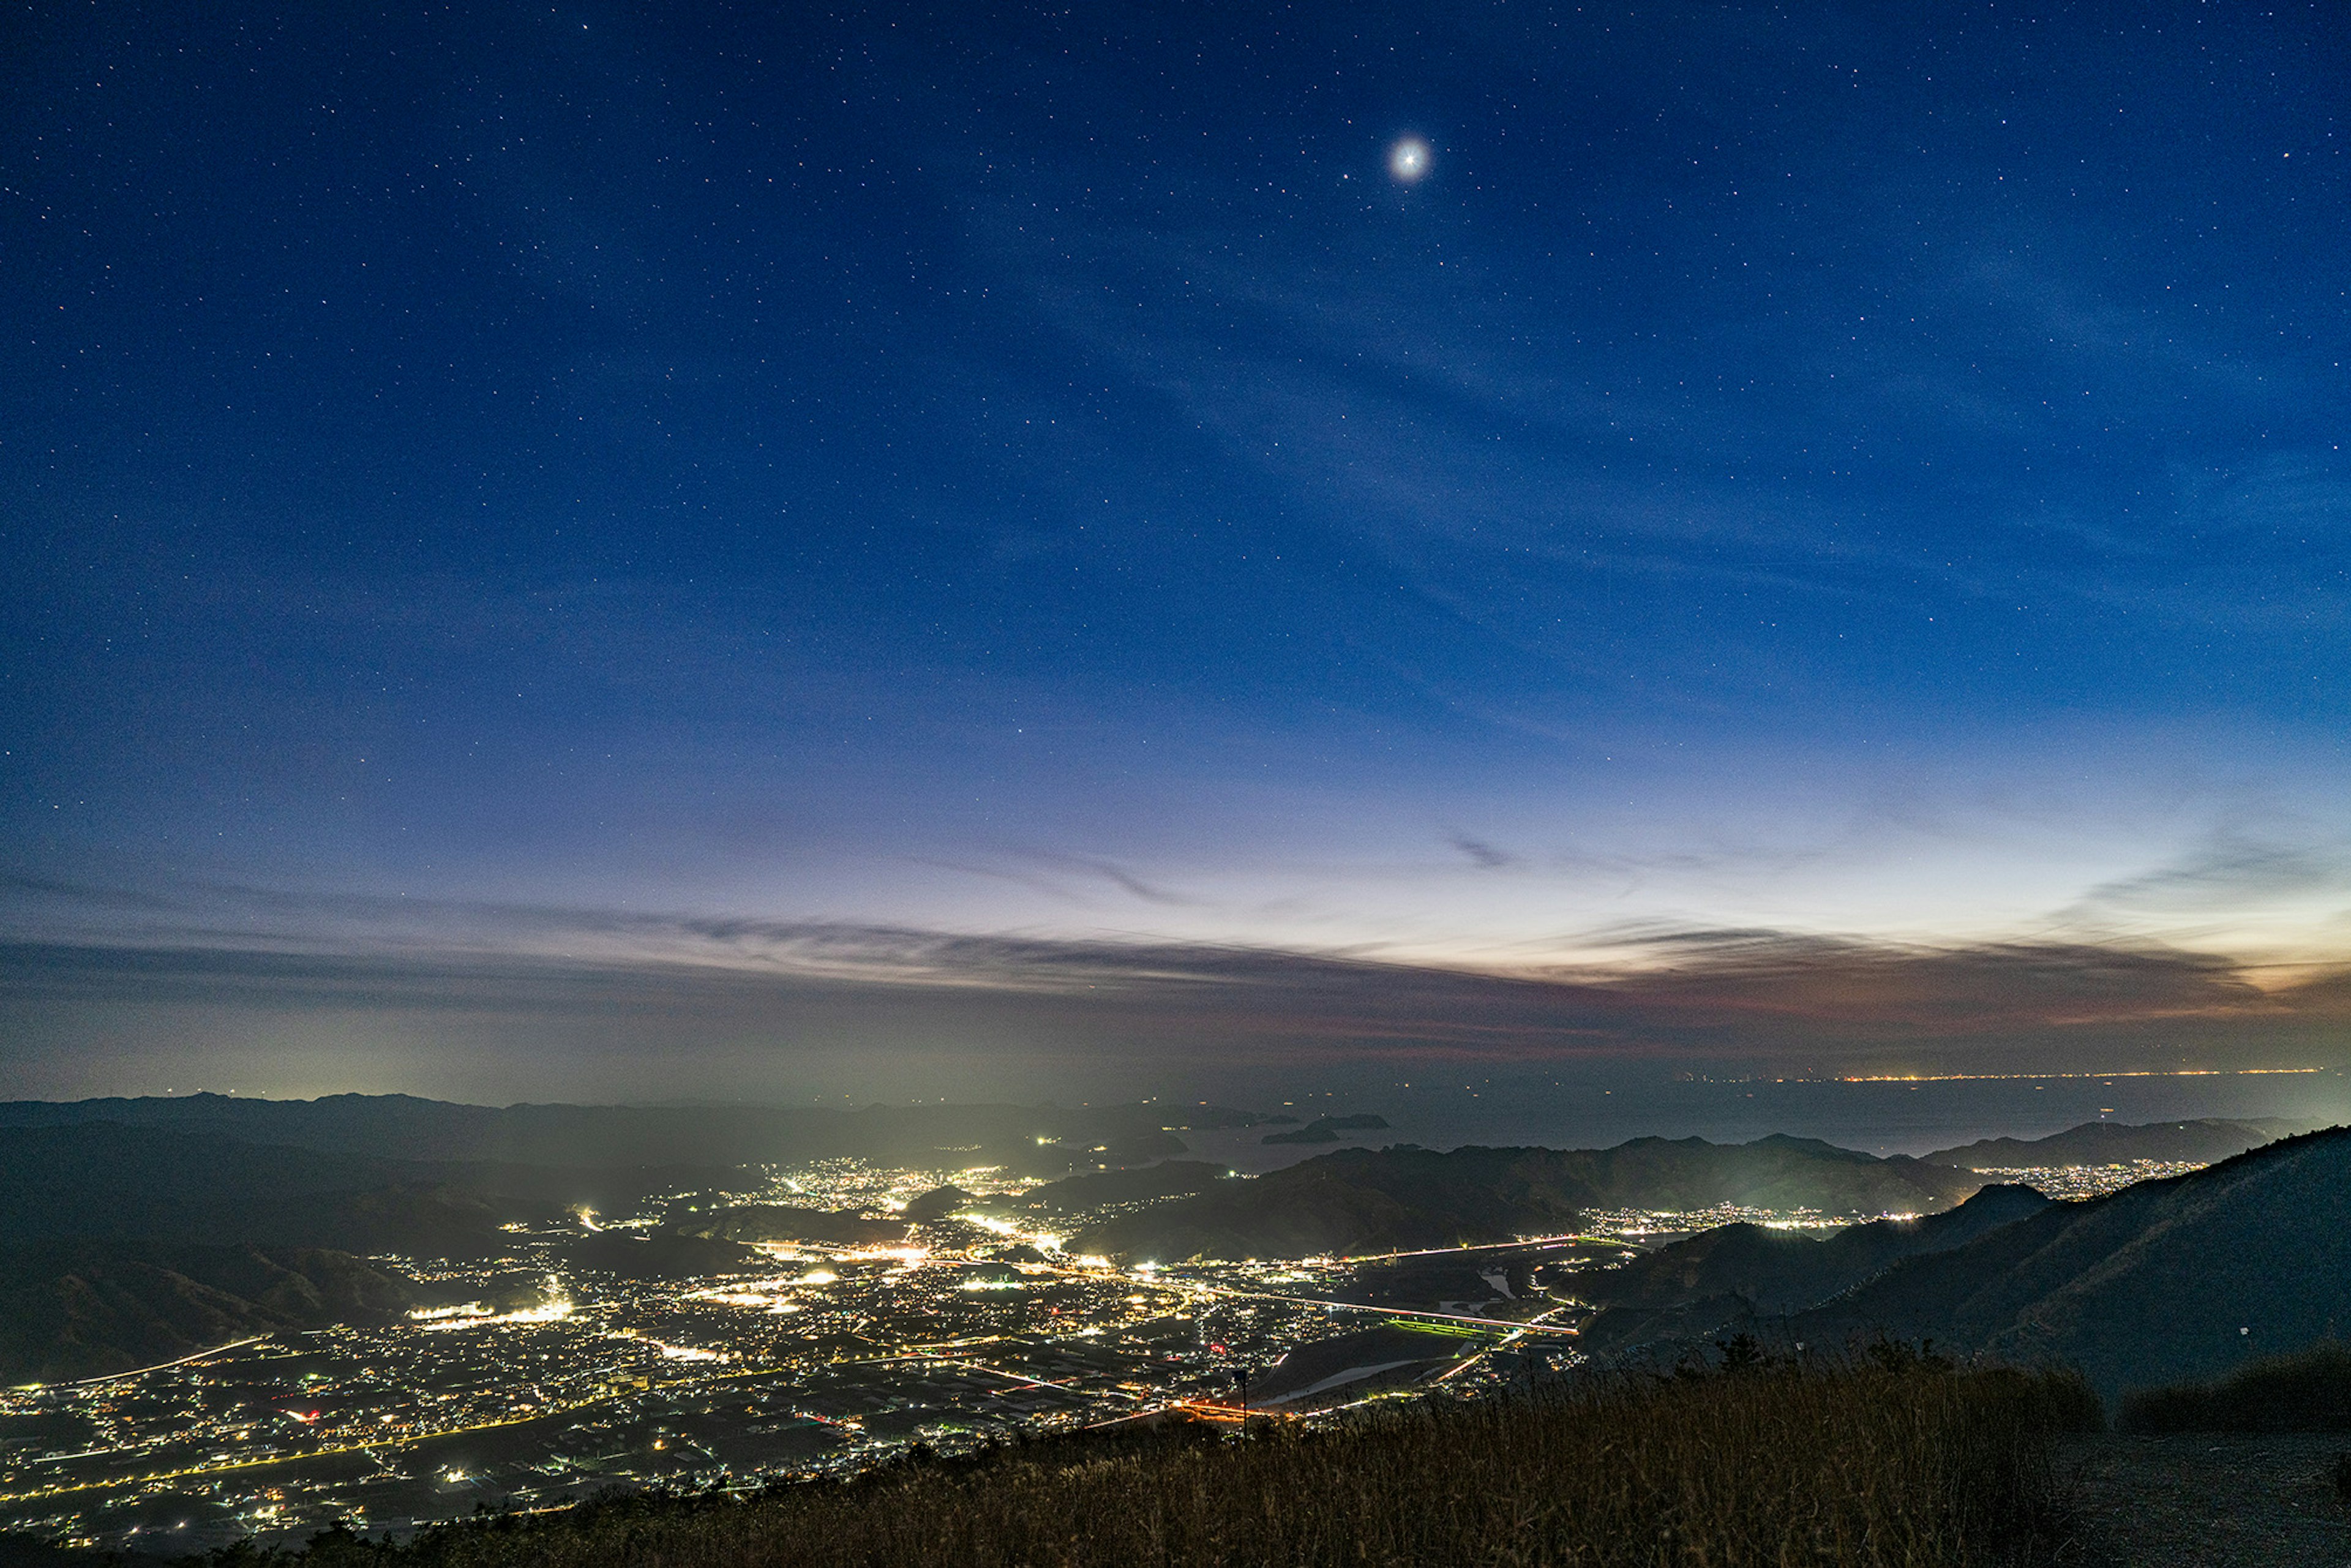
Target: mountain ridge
405,1126
2167,1279
1355,1200
89,1309
2207,1138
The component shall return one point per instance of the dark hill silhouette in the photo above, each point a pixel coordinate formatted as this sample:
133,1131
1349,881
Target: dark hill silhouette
1097,1189
85,1308
2110,1142
404,1128
2162,1281
1779,1271
1328,1130
98,1181
939,1203
1362,1200
1725,1279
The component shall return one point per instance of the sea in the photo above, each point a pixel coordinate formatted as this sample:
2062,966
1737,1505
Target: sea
1887,1116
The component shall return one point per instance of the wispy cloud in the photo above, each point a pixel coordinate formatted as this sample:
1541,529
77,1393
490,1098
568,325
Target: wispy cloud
1760,998
2230,873
1481,853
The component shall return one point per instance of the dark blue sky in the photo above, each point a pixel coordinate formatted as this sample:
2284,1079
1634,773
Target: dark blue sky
899,499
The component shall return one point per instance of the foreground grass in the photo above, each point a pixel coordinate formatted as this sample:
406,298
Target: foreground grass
2306,1392
1912,1466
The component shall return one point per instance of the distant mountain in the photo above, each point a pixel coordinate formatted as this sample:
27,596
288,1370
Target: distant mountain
1328,1130
1724,1277
1099,1190
1033,1140
2162,1281
83,1310
1360,1200
2113,1143
100,1181
1785,1272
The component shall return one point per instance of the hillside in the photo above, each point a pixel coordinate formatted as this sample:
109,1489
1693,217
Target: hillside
103,1181
2162,1281
1726,1277
2113,1143
127,1246
1781,1272
80,1310
1097,1189
1364,1200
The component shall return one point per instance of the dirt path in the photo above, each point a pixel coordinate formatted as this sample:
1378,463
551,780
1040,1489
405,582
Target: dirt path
2213,1501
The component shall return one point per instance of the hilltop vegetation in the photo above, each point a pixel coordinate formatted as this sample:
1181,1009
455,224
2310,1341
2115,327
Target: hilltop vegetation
1905,1464
2309,1391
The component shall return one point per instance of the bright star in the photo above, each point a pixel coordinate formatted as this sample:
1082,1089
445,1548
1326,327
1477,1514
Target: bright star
1409,160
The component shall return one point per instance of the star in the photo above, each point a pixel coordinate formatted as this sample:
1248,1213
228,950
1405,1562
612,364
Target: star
1409,160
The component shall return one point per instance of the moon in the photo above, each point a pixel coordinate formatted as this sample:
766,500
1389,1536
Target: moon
1410,159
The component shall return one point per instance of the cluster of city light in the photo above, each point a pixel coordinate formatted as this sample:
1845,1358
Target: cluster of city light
904,1257
440,1315
783,1251
2074,1183
544,1312
554,1309
1043,1240
1121,1312
769,1299
1639,1222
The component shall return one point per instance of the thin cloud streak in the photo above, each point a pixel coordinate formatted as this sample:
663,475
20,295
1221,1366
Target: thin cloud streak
1703,999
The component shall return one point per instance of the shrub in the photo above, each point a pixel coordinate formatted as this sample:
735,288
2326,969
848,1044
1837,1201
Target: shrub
2306,1392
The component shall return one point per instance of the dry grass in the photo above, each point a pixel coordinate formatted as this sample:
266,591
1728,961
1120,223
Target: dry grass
2309,1391
1910,1464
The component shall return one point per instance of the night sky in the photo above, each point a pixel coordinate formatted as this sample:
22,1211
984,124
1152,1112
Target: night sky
586,552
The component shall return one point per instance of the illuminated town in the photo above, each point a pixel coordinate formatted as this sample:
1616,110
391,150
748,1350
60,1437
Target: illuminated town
541,1382
2078,1182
